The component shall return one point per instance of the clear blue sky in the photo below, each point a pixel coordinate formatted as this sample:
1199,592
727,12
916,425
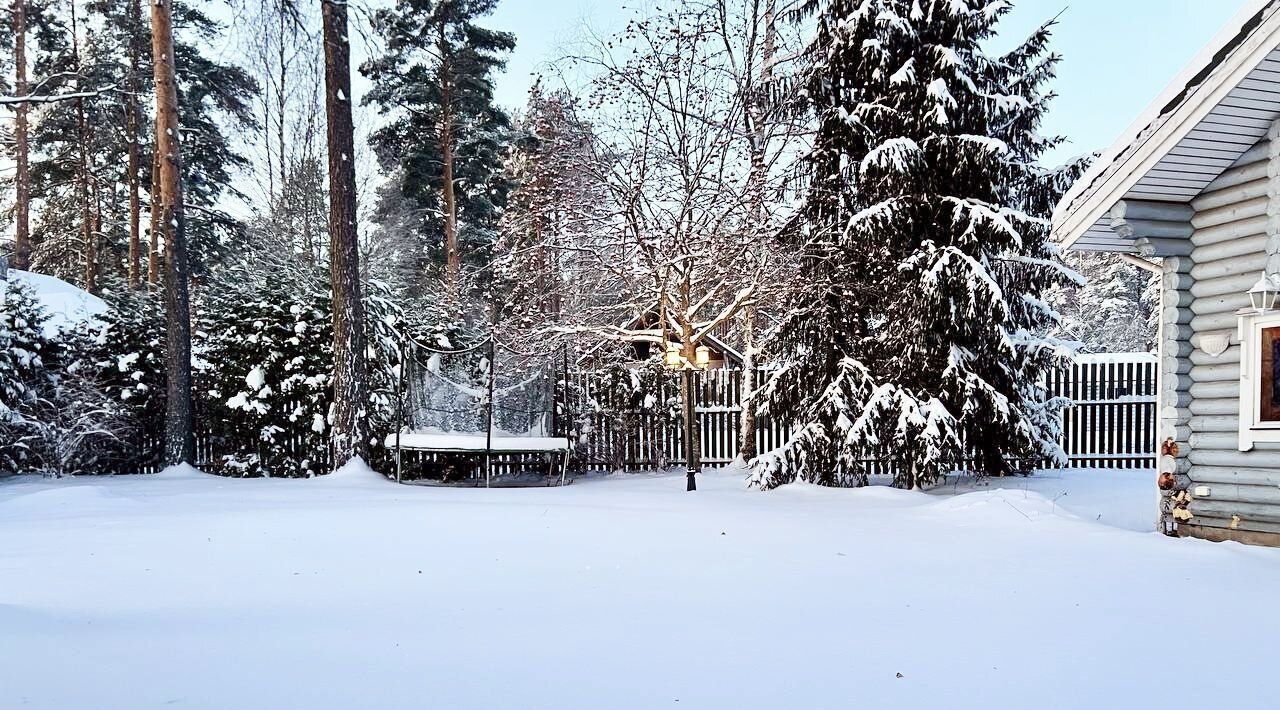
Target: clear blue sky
1117,54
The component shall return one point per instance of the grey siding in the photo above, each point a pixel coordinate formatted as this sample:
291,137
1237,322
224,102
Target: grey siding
1229,252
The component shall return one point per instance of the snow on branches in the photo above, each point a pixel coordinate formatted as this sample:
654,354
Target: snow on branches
927,269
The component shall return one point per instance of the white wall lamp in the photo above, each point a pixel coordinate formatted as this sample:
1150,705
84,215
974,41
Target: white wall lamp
1265,294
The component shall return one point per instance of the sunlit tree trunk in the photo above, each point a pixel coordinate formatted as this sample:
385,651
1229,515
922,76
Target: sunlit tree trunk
88,238
179,439
349,415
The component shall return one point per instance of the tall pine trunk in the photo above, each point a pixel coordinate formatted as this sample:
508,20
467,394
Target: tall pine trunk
153,242
349,414
133,136
453,259
178,436
22,170
88,238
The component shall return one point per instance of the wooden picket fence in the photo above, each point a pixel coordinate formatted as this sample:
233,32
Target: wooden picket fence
1110,423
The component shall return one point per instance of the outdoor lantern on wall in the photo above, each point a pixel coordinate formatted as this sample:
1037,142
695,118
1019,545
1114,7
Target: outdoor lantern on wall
1265,294
702,356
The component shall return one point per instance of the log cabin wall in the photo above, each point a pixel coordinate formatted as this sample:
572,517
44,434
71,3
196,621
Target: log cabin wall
1229,251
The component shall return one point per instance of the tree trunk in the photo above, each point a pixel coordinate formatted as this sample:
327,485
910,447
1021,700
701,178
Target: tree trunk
453,259
281,98
178,436
758,138
87,237
153,245
747,431
349,415
133,136
22,170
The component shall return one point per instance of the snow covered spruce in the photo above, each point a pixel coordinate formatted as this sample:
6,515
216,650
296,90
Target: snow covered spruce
925,187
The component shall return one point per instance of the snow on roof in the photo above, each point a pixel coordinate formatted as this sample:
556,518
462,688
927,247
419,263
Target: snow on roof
1216,70
67,306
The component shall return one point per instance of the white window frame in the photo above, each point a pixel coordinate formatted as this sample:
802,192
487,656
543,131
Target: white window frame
1252,430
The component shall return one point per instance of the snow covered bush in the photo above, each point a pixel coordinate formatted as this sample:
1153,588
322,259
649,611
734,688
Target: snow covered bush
265,361
55,417
918,331
126,354
27,378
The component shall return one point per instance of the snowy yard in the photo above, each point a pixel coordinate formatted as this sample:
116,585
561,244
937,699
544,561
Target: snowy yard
189,591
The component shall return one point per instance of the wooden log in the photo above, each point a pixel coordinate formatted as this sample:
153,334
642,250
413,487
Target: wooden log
1206,407
1267,512
1229,356
1152,210
1216,423
1242,176
1231,211
1263,454
1216,440
1212,390
1229,372
1229,304
1231,249
1237,476
1249,532
1247,264
1238,283
1223,320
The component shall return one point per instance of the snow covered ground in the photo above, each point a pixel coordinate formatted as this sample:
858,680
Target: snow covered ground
182,590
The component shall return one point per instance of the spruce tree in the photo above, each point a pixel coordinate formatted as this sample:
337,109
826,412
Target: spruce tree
126,352
1118,309
917,334
26,376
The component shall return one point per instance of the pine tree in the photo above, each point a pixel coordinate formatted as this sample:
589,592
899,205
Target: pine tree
215,96
917,334
446,137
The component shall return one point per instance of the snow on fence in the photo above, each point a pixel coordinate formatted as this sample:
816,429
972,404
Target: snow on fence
1110,424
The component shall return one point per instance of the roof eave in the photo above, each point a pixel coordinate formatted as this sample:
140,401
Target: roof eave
1119,170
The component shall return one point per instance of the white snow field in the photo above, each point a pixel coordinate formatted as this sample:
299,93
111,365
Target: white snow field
182,590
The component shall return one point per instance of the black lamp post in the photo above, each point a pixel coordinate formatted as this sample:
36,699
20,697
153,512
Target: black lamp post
675,360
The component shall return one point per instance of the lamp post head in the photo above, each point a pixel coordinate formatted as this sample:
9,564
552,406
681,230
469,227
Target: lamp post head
672,357
702,356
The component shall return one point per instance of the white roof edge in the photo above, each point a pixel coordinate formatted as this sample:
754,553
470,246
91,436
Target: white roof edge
1096,191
